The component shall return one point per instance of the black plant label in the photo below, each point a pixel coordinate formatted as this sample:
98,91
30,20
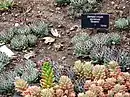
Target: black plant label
95,20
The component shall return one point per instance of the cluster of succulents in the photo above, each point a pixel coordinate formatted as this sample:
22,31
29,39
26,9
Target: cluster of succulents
22,37
4,60
28,72
83,44
114,83
48,88
6,4
101,48
100,81
122,23
78,7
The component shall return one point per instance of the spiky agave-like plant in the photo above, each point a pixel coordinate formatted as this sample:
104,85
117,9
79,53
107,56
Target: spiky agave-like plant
47,76
4,60
40,28
32,39
19,42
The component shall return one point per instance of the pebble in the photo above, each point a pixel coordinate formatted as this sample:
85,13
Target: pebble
112,2
16,24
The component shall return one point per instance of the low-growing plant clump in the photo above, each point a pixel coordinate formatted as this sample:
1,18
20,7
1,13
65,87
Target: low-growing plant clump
28,72
78,7
4,60
122,23
22,37
101,48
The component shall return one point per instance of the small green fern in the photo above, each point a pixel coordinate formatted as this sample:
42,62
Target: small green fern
47,76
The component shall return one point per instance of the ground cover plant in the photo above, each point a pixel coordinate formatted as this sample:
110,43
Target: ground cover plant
22,37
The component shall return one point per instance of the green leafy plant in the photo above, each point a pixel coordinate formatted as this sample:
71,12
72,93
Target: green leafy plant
4,60
47,77
6,4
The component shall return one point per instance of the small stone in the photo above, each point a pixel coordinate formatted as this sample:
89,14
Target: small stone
29,55
16,24
124,7
58,8
112,2
63,58
74,28
58,46
48,40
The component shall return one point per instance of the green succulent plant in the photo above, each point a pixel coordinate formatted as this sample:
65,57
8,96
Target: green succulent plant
113,39
79,7
124,60
62,2
19,42
30,73
83,48
6,36
22,30
47,77
6,4
80,38
4,60
32,39
7,81
122,23
100,39
40,29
